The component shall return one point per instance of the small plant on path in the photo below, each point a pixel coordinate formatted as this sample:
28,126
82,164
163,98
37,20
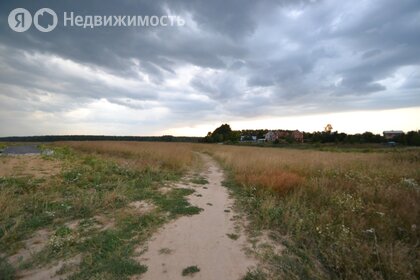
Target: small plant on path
191,270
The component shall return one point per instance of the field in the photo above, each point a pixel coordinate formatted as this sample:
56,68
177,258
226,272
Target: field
327,214
337,215
89,205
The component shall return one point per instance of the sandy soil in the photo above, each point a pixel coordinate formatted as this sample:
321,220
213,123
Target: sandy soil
201,239
32,246
28,165
50,272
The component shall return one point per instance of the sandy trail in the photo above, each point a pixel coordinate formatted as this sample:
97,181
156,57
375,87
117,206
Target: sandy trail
201,239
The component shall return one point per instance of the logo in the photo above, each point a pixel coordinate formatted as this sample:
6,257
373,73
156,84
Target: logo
20,20
48,21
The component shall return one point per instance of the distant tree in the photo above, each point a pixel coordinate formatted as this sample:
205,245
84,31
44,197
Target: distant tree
167,138
208,138
224,129
413,138
369,137
401,138
235,136
222,134
341,137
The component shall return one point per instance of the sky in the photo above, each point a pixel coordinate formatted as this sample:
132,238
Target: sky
275,64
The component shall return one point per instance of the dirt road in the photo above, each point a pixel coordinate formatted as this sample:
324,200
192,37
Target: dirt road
211,240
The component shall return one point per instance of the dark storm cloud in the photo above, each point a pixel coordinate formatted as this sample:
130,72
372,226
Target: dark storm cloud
371,53
40,74
113,47
235,58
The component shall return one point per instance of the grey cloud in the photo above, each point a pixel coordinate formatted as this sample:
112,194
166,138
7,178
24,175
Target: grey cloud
245,58
371,53
359,84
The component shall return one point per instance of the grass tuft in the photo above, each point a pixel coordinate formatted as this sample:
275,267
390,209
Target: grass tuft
191,270
200,181
7,271
233,236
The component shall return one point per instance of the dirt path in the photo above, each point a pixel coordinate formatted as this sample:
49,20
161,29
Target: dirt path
201,240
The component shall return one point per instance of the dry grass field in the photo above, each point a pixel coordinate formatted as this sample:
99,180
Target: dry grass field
335,215
140,155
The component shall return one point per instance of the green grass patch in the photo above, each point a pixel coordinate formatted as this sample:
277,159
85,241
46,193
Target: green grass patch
233,236
7,271
191,270
255,274
175,202
165,251
199,181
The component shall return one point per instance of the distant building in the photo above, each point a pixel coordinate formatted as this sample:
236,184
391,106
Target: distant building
297,136
271,136
274,135
390,134
247,138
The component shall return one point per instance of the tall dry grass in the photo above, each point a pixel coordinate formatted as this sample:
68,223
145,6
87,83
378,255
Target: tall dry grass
346,215
140,155
284,169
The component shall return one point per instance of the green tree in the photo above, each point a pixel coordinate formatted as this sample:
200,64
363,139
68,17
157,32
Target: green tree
222,134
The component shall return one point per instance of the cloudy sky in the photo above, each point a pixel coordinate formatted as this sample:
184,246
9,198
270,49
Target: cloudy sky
254,64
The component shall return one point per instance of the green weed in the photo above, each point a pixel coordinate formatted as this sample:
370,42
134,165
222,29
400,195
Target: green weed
232,236
200,181
190,270
7,271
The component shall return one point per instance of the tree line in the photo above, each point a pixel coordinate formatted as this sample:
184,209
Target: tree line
411,138
53,138
224,133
